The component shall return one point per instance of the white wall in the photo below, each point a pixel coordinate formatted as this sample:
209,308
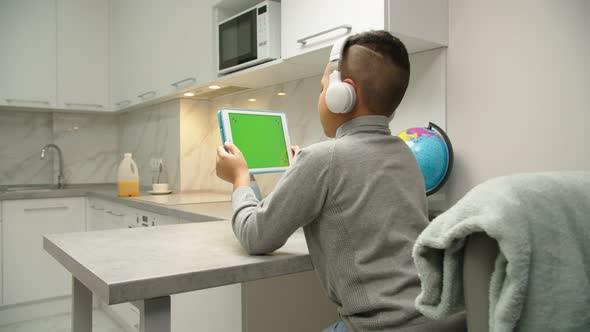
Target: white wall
425,99
518,88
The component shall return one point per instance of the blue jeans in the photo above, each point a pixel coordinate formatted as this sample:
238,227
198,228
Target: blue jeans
339,326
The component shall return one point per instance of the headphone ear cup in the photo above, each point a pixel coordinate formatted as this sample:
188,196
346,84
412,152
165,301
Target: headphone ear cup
340,97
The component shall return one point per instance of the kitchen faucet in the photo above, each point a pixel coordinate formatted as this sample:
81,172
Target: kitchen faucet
60,176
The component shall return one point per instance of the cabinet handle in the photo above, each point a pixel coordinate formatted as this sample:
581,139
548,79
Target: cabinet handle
96,207
123,103
45,208
84,105
115,213
27,101
144,95
303,40
176,84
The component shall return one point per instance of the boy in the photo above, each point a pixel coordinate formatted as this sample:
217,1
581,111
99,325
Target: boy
360,197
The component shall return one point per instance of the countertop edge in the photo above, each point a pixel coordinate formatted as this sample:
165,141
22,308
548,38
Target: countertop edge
77,270
87,191
168,285
154,208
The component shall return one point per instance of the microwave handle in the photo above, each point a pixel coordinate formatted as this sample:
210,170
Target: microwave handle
303,40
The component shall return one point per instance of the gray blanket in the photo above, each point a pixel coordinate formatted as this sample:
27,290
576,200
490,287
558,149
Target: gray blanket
541,280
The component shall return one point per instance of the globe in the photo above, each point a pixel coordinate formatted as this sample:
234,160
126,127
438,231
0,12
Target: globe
434,153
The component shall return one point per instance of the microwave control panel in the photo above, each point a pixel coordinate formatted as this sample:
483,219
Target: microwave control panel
262,26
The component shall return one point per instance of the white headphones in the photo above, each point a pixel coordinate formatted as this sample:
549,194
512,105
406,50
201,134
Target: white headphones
340,96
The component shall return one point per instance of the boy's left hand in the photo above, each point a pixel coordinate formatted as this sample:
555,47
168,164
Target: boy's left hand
231,166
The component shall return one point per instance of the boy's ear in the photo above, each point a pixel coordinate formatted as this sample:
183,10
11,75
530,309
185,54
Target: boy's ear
354,86
351,82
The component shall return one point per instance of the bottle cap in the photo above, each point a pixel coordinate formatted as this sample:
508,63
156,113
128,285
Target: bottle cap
127,155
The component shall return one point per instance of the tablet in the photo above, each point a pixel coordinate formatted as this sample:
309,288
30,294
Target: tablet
261,136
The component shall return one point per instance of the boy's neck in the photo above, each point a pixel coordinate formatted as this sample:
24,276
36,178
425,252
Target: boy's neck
359,111
373,120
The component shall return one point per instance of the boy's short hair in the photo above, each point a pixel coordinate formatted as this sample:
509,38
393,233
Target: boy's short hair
381,68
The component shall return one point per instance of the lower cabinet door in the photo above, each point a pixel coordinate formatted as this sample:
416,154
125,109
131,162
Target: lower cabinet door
125,314
29,272
216,309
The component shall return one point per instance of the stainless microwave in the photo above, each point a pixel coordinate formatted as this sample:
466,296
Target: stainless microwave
250,37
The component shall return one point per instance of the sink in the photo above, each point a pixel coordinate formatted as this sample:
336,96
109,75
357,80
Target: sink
29,188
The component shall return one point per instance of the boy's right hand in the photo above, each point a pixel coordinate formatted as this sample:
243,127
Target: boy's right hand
295,149
231,165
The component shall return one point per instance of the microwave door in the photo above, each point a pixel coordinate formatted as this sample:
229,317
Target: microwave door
237,40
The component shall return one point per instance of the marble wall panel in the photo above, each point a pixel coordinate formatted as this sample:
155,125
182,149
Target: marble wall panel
90,146
200,131
22,136
153,132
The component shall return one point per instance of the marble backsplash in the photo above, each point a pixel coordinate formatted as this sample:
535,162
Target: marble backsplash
153,132
92,144
184,132
89,143
201,137
22,136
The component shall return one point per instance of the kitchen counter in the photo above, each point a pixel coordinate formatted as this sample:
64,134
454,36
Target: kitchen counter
147,265
196,212
124,265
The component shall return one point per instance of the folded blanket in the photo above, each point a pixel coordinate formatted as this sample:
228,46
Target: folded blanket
541,280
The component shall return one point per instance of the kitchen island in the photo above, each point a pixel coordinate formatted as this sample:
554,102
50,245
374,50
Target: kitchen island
147,265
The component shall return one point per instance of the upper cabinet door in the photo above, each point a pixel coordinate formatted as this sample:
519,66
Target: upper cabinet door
184,34
124,48
28,53
159,48
421,24
312,25
309,25
83,54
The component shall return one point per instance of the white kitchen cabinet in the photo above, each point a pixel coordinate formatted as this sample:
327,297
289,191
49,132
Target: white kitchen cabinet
129,52
1,257
214,309
28,53
83,54
185,44
328,20
102,215
29,273
159,48
420,24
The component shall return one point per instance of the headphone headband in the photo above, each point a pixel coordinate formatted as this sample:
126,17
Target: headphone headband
336,53
340,96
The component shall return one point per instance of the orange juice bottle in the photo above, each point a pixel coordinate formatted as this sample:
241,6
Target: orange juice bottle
128,177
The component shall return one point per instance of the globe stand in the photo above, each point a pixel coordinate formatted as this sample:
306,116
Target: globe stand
443,134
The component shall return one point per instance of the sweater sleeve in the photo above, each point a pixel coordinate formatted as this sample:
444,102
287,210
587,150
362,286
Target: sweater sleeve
264,226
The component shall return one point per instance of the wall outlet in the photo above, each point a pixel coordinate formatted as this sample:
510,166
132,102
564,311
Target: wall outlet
155,163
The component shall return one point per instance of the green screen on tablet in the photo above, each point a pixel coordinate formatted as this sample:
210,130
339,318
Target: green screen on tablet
261,139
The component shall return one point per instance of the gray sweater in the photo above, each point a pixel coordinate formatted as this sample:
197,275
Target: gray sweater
361,201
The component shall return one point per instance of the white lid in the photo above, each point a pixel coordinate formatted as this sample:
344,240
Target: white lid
127,155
